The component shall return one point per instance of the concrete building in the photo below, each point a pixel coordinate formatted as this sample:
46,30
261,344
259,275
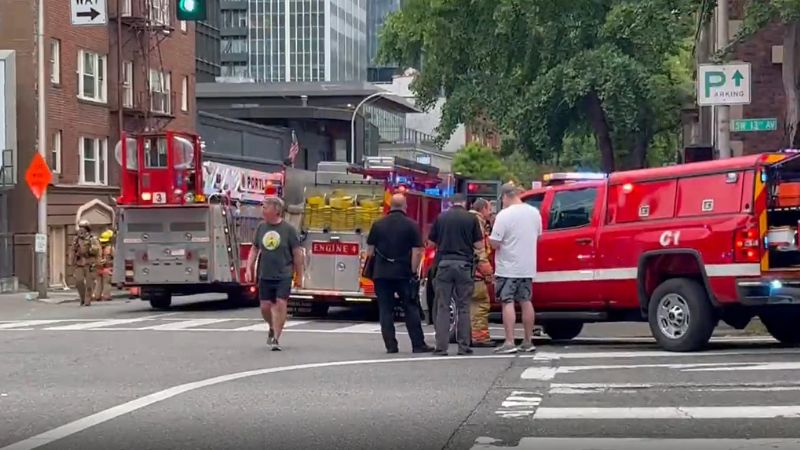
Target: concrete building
764,52
377,12
134,73
208,43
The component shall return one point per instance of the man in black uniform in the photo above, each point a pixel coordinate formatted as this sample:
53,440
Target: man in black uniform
396,244
457,236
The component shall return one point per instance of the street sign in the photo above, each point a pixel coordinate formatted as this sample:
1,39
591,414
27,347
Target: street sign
746,125
727,84
40,243
89,12
38,176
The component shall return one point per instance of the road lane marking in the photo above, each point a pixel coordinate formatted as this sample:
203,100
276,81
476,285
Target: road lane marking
669,412
359,328
27,323
631,388
519,404
548,373
599,443
182,324
84,423
550,356
105,323
264,328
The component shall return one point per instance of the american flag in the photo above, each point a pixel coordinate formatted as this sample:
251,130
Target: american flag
294,149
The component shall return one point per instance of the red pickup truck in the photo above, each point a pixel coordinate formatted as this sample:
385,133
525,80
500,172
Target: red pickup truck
680,247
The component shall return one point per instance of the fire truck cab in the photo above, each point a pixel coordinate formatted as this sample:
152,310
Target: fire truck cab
185,226
680,247
338,210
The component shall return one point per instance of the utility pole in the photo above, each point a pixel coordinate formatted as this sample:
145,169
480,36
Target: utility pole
41,257
723,111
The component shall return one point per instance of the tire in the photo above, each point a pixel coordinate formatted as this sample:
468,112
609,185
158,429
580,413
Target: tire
453,325
161,301
783,325
681,316
563,330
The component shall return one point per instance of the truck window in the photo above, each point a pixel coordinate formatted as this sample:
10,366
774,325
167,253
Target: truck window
535,200
572,209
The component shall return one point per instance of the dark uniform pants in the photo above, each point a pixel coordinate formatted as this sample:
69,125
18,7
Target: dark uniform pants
385,290
453,281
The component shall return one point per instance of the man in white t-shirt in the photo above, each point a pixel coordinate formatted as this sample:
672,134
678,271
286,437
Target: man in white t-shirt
514,236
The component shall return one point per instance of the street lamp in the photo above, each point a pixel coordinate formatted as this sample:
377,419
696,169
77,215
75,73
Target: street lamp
353,121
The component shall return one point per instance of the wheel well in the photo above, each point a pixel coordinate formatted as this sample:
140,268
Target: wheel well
658,267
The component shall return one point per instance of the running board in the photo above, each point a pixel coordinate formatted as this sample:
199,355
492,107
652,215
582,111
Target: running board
587,316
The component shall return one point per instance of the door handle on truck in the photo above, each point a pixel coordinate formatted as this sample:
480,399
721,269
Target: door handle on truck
584,241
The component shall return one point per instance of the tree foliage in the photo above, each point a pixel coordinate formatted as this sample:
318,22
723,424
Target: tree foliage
479,162
541,69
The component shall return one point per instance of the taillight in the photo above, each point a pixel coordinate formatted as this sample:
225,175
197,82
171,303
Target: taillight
430,253
129,271
747,246
202,268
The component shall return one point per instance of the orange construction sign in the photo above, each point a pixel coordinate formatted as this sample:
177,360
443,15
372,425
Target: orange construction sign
38,176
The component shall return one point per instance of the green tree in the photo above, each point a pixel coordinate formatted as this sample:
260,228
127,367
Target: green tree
541,69
758,15
476,161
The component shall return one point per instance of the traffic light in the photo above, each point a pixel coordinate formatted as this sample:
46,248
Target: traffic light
191,10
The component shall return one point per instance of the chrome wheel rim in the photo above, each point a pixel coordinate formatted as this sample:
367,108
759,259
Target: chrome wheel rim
673,316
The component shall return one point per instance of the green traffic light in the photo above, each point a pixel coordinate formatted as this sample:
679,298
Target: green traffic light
188,5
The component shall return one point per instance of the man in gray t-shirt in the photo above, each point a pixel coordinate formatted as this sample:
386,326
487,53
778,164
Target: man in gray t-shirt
277,250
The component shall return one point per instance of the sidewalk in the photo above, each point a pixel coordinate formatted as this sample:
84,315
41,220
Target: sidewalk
56,297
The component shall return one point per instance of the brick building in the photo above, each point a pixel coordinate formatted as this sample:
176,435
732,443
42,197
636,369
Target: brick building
136,72
764,52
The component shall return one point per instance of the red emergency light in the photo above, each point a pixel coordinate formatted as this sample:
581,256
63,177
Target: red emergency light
472,187
270,189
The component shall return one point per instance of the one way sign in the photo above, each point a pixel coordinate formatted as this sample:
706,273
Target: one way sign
89,12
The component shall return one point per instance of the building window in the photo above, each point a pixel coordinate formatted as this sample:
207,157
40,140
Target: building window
185,94
127,84
159,12
55,61
94,161
160,89
125,8
55,152
91,76
184,26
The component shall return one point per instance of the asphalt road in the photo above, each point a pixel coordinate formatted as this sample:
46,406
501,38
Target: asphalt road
119,375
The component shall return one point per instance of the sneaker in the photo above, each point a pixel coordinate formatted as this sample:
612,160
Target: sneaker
527,348
271,333
506,349
423,349
276,347
465,351
440,352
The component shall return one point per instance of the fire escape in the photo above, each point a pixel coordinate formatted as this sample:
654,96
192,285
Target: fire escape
145,87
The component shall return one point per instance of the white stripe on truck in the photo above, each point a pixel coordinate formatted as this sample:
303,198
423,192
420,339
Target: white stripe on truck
625,273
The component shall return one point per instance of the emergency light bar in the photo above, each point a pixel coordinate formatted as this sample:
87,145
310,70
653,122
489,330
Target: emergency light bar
573,177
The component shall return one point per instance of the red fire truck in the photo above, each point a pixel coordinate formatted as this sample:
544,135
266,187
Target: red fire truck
338,208
680,247
185,226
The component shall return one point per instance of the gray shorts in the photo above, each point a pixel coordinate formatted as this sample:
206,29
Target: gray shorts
508,290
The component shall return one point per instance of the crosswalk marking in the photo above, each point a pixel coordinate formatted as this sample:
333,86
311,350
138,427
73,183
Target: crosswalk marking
669,412
601,443
183,324
98,324
264,328
360,328
26,324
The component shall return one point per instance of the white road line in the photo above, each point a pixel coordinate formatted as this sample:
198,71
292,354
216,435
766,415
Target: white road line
756,366
360,328
721,339
549,356
183,324
264,328
112,413
540,443
629,388
548,373
106,323
540,373
669,412
27,323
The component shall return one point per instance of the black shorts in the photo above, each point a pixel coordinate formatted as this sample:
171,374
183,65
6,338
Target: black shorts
272,290
509,290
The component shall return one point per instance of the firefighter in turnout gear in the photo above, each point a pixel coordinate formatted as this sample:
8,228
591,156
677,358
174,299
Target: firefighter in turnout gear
84,257
479,307
106,265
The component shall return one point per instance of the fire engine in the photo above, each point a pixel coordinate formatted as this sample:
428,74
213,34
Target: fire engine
185,226
680,247
339,206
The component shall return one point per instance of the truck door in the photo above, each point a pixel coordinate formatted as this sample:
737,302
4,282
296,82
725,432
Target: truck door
566,254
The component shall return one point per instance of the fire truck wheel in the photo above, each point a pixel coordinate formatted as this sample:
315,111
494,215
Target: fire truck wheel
563,330
680,315
783,325
161,301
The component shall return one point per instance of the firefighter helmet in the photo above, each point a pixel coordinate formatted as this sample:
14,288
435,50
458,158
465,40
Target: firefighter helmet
84,224
106,236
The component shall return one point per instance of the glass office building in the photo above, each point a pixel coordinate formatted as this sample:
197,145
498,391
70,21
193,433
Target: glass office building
307,40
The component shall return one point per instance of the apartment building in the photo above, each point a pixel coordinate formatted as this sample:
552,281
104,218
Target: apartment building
135,72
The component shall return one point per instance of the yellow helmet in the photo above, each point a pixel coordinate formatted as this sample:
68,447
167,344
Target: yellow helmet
106,236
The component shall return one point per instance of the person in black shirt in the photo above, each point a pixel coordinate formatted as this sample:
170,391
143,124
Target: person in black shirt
396,244
457,236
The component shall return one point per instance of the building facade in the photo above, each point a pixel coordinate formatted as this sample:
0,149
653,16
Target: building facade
208,44
377,12
295,41
134,73
764,52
